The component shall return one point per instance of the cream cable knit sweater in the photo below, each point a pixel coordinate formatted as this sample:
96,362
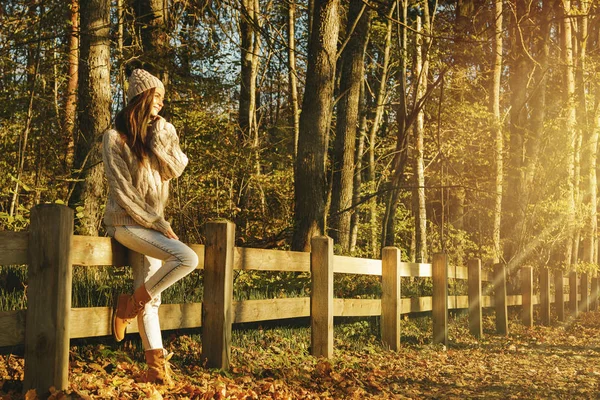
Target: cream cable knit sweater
138,192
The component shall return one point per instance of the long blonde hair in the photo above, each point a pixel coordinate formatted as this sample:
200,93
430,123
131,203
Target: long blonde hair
132,123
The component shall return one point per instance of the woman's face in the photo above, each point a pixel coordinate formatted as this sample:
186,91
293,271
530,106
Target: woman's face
157,103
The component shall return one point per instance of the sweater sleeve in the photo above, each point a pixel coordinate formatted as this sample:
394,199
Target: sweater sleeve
122,189
164,143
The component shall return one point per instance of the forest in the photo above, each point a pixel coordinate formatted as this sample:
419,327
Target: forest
464,126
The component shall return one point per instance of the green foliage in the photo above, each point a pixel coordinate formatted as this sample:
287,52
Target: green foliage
252,285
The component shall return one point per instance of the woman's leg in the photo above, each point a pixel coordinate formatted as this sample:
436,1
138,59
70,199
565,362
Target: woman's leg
148,323
179,259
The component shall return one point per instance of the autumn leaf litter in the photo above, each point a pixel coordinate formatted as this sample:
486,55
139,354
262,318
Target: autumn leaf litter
558,362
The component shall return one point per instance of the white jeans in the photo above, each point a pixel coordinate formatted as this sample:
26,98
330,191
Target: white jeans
158,262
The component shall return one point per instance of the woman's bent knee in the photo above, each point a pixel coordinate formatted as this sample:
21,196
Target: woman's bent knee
191,259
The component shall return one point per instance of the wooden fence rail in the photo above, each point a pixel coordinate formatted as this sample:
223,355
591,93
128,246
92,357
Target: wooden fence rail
51,250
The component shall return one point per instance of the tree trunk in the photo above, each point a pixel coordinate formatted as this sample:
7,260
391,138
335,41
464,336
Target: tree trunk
248,135
94,102
352,75
590,133
249,69
152,17
497,131
538,102
379,109
360,152
401,150
295,117
421,72
71,101
570,122
516,203
309,183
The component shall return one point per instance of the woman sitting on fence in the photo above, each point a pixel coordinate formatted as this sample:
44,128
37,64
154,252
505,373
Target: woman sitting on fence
141,154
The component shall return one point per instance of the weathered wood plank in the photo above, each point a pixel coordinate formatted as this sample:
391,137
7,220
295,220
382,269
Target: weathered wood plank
487,301
96,321
474,294
91,251
458,302
527,296
573,286
356,307
49,278
12,327
321,300
584,304
440,298
594,293
270,260
391,300
416,304
545,296
13,247
559,290
500,300
458,272
355,265
218,293
270,309
415,270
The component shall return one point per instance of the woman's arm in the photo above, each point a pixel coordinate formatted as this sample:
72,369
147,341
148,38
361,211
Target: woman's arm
164,143
121,186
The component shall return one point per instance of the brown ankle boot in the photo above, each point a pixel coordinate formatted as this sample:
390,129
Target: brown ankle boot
128,308
158,367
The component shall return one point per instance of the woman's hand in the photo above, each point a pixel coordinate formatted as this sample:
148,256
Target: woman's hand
170,234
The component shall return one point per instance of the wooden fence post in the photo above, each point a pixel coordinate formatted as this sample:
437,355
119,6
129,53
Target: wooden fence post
594,293
500,298
585,300
545,296
218,293
321,296
527,296
391,301
49,276
573,278
559,294
440,298
474,283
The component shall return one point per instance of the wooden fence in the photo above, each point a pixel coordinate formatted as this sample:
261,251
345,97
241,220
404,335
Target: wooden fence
51,250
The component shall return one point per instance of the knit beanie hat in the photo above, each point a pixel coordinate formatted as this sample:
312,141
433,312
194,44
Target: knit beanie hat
141,80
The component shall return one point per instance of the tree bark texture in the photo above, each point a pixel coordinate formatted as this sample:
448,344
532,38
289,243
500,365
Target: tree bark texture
352,75
570,122
421,72
375,125
94,102
293,79
497,130
589,136
402,136
515,203
309,184
72,82
249,70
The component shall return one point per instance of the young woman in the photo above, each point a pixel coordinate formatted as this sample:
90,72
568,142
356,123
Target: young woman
141,154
